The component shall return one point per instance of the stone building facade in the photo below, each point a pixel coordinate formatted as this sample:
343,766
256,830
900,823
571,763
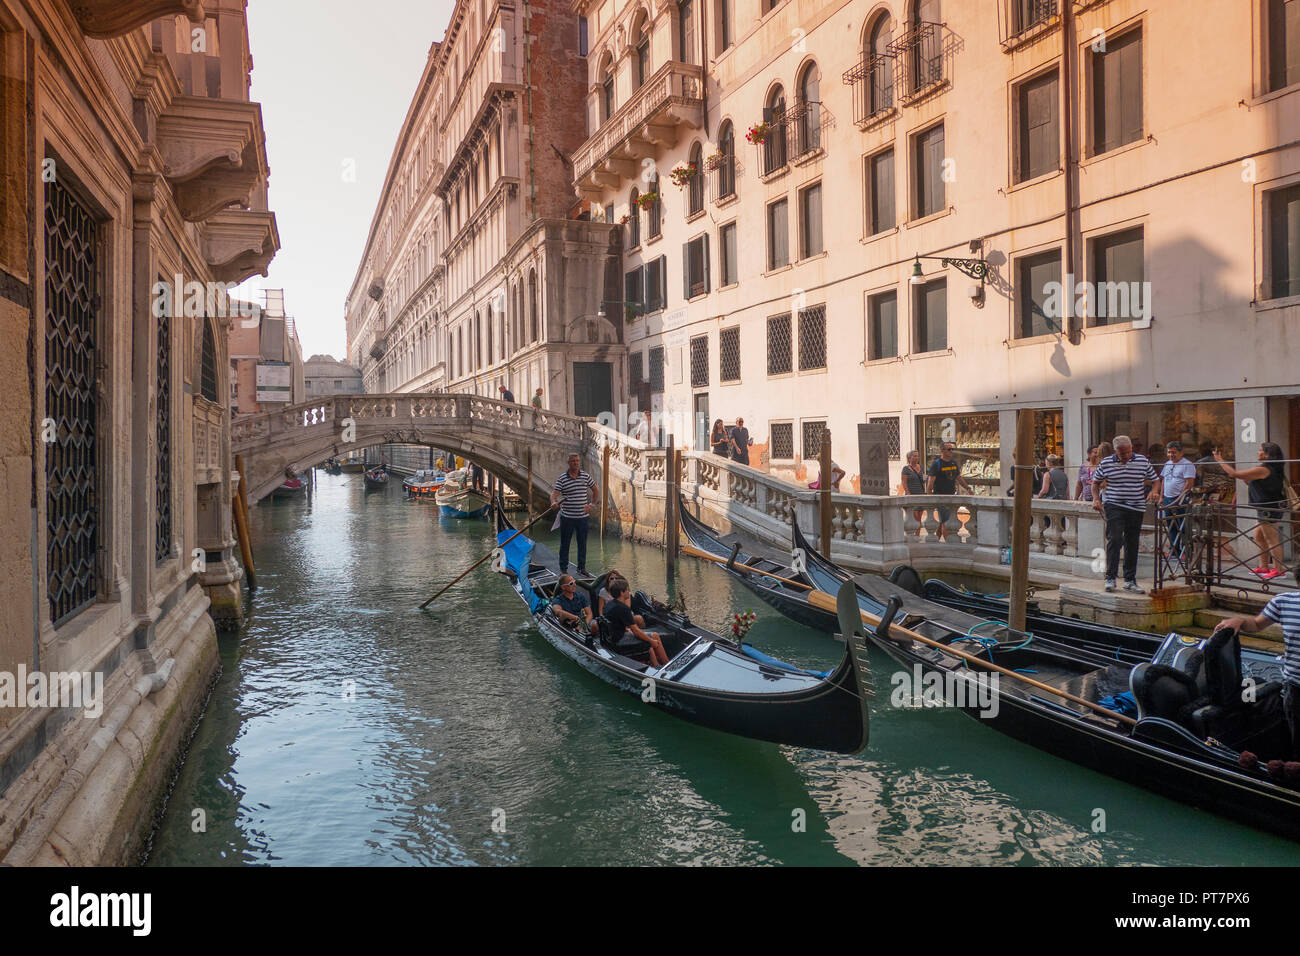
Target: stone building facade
481,271
266,365
326,375
134,195
810,279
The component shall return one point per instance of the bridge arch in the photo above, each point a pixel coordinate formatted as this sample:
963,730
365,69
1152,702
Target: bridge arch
497,435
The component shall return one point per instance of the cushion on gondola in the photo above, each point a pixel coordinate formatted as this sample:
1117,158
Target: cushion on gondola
1162,691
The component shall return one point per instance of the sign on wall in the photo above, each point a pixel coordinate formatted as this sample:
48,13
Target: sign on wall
873,458
274,382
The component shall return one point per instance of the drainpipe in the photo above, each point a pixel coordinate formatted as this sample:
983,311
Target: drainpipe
704,72
528,87
1072,329
33,838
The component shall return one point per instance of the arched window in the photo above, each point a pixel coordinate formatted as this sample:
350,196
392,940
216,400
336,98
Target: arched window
208,368
642,65
532,305
808,128
695,187
491,324
727,166
633,220
686,31
654,215
880,78
924,48
774,153
606,89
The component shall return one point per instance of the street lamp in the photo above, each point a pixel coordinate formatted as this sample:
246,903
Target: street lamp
974,268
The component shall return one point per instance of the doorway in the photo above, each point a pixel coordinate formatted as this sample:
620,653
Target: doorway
592,388
702,422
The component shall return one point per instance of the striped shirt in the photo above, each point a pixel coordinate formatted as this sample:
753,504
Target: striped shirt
1125,481
574,495
1285,610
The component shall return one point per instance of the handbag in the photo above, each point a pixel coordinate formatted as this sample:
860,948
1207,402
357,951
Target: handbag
1289,495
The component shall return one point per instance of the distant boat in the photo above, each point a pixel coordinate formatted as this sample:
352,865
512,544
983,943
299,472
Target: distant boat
354,466
292,488
424,483
457,500
510,501
332,467
377,478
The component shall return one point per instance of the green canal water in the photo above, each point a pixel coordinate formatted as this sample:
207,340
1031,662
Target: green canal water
350,728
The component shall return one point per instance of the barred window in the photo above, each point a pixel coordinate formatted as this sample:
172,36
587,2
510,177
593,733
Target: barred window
208,372
812,338
782,441
700,361
657,369
893,440
636,368
812,439
778,345
729,354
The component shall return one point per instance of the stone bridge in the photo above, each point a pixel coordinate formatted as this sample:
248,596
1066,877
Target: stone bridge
497,435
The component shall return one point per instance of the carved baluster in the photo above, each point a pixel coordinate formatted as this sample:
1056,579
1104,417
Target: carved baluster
1070,535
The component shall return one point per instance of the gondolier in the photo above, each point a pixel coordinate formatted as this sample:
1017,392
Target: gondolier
575,493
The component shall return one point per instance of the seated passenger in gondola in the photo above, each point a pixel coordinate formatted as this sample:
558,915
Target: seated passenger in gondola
571,605
624,631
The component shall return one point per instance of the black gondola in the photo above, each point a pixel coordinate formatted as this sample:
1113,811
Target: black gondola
1193,737
376,478
708,680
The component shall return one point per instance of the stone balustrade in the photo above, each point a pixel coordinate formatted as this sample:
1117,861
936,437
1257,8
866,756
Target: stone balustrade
869,533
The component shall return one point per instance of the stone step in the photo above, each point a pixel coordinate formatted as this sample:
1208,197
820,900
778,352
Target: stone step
1207,618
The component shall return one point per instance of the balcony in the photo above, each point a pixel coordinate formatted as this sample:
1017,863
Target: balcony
872,80
213,153
921,54
240,243
649,122
1027,20
112,18
793,137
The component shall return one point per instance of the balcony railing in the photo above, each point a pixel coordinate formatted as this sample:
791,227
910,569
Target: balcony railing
793,135
872,80
920,54
1028,19
673,96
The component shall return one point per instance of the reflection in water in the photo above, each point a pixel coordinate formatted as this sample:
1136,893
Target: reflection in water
350,728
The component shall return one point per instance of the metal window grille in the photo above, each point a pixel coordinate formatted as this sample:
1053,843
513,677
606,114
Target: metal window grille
657,369
163,444
636,368
812,439
778,345
1030,13
893,434
804,125
208,375
782,441
920,51
812,338
700,361
872,79
71,480
729,354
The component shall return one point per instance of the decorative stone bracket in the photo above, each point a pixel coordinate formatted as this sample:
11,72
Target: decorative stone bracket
112,18
213,153
238,243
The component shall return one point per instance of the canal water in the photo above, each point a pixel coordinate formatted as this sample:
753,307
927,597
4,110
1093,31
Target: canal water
348,727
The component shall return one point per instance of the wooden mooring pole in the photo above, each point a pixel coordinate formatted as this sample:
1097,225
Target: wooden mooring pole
528,488
240,508
604,488
1021,516
671,520
824,483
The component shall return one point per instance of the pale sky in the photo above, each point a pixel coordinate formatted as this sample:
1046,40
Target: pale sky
334,79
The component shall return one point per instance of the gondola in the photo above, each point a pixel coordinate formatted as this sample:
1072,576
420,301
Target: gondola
290,488
457,499
376,478
1193,737
790,600
708,680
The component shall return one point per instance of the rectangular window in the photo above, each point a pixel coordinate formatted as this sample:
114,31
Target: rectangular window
582,36
632,292
930,304
656,284
657,369
727,235
779,352
882,326
635,369
724,24
686,23
1036,278
1117,93
928,160
1283,43
812,439
812,338
1119,270
729,354
778,235
1028,14
1283,223
893,436
695,267
1038,129
782,440
700,361
880,193
810,221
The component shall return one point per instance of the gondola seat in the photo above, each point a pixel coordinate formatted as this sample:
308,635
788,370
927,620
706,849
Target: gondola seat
1224,713
905,577
629,647
1163,691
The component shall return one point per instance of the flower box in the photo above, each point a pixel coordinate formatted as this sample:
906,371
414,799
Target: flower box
715,160
758,134
683,174
646,200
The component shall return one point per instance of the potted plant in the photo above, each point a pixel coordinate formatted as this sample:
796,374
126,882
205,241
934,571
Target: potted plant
682,174
624,219
646,200
757,134
715,160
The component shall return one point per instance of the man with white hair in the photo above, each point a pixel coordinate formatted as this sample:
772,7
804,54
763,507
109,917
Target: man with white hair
1122,485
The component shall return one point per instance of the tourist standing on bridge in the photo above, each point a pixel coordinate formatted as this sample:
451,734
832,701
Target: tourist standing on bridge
575,493
506,394
537,398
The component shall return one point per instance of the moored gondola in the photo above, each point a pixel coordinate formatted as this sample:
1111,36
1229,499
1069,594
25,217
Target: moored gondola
708,679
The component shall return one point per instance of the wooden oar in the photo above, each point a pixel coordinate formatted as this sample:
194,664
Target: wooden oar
486,556
696,552
827,602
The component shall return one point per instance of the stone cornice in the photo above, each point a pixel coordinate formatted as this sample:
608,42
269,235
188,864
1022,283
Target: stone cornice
111,18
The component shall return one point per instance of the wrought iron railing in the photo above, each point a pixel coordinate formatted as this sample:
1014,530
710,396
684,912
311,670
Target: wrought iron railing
920,54
1028,14
872,79
1211,544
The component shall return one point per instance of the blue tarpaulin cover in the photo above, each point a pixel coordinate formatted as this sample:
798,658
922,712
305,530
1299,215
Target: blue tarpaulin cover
756,654
518,555
1122,703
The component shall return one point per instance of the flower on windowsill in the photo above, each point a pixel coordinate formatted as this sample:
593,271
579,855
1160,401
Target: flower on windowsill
682,174
757,134
646,200
714,160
